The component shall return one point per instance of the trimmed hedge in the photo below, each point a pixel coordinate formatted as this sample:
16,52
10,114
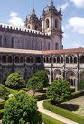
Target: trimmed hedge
1,113
65,113
49,120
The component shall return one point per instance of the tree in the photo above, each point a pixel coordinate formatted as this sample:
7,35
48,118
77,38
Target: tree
43,77
34,84
21,109
59,91
15,81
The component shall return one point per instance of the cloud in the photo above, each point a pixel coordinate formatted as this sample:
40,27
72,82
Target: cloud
77,24
15,20
63,6
78,3
77,44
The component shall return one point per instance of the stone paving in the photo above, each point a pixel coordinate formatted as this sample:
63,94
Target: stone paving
53,115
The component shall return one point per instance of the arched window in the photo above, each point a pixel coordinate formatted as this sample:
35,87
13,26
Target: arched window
56,23
58,59
38,59
47,23
56,46
67,59
75,59
54,60
28,26
21,59
16,59
3,59
9,59
28,60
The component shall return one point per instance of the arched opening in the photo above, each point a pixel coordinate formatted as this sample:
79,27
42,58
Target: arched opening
54,60
21,59
3,59
9,59
61,59
71,59
75,59
58,59
16,59
47,23
71,77
67,59
57,75
38,59
82,59
28,60
28,26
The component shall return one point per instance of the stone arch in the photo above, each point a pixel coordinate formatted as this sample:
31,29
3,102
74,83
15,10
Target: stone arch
57,74
47,23
67,59
71,77
16,59
9,59
4,59
21,59
28,60
58,59
75,59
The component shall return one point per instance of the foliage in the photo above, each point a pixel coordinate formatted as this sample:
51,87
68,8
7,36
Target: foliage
65,113
81,85
43,77
4,92
15,81
49,120
59,91
1,113
21,109
34,84
2,104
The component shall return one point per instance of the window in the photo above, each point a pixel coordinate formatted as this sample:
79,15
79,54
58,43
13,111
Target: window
12,42
0,41
29,26
56,23
56,46
47,23
9,59
49,46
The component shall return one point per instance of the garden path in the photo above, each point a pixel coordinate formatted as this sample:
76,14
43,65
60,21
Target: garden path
53,115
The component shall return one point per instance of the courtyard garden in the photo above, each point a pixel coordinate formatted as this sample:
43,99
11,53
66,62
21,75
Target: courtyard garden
18,99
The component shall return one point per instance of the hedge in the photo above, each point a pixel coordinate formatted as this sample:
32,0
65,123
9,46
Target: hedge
1,113
65,113
49,120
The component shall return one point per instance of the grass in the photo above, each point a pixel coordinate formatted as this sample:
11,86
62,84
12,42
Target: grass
65,113
49,120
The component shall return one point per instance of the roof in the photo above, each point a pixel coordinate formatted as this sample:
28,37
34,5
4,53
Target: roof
64,51
49,52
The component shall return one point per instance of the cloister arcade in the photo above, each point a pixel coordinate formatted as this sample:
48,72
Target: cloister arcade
69,67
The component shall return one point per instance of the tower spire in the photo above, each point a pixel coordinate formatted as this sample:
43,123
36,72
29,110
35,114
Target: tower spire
51,2
33,10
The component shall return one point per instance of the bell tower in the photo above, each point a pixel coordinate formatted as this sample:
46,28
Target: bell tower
51,24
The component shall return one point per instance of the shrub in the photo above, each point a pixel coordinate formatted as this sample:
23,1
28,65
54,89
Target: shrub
15,81
21,109
34,84
43,77
1,113
4,92
2,104
81,85
59,91
65,113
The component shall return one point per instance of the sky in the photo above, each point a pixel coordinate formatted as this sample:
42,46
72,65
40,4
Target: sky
14,12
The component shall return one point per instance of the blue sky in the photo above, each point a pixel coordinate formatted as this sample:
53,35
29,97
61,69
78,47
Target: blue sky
14,12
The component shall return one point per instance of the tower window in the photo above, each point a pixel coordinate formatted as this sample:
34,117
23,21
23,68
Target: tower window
56,23
56,46
29,26
47,23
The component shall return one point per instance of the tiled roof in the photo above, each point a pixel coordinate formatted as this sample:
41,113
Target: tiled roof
36,52
64,51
